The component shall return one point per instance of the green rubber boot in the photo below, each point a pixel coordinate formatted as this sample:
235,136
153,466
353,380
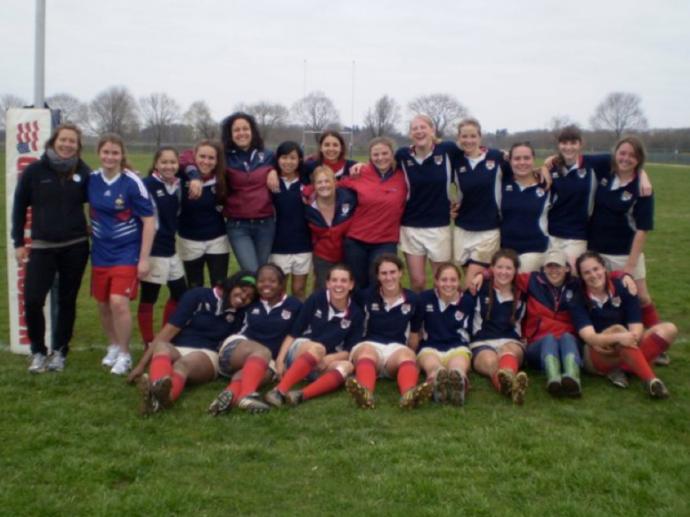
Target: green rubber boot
552,368
570,382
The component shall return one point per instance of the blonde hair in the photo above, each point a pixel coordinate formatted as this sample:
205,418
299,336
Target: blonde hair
426,118
470,122
322,170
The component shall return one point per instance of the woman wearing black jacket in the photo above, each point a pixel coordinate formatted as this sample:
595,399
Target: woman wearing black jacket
55,189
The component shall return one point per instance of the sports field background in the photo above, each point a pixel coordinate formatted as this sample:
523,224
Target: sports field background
73,444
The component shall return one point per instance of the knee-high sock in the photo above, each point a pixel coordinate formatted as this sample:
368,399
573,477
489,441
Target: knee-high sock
365,373
649,316
145,318
178,382
299,369
653,345
329,381
253,373
161,366
170,307
635,360
408,375
505,362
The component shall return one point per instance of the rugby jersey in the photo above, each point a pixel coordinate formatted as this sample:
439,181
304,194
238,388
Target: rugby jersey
269,325
445,326
501,321
619,308
292,233
166,202
524,217
200,219
479,191
385,323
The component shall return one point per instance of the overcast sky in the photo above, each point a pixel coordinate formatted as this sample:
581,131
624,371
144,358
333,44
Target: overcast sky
513,64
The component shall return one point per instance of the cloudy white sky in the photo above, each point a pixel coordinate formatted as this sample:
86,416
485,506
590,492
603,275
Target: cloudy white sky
513,64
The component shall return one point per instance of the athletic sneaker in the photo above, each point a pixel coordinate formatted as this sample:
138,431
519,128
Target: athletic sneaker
253,404
457,387
415,396
520,383
122,365
221,404
663,359
361,395
294,397
57,361
275,398
160,391
441,386
657,389
506,379
618,378
38,363
111,356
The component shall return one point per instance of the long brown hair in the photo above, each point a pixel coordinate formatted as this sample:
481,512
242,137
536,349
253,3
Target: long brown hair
511,255
114,138
638,149
219,170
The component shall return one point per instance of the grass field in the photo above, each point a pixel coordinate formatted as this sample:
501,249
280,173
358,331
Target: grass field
72,444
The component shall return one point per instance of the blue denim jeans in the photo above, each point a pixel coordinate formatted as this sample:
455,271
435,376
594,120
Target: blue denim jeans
360,257
549,345
251,240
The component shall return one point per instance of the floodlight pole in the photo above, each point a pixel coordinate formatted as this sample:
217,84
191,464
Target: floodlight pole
40,55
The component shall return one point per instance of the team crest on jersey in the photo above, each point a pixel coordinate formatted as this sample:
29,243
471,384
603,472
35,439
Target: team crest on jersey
459,315
76,178
345,324
509,188
555,175
230,317
582,172
286,314
604,182
261,157
405,308
345,208
616,301
256,310
107,193
160,193
540,192
410,163
568,294
213,189
626,196
490,165
119,203
318,313
462,169
429,307
375,307
438,160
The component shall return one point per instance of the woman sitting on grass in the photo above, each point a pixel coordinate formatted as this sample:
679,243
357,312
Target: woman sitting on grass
609,320
186,347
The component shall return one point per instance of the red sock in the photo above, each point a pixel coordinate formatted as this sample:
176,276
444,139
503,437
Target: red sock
329,381
600,364
161,366
653,346
635,360
365,373
649,316
408,375
302,366
505,362
145,317
252,374
170,307
234,387
178,382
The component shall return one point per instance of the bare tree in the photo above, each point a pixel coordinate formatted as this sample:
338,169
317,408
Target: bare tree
315,111
619,112
268,115
558,122
199,117
71,108
8,101
382,117
445,110
160,111
114,111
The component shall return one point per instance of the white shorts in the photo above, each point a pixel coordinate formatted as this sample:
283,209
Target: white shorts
572,248
225,354
494,344
192,250
618,262
431,242
445,357
295,263
383,352
530,262
213,356
164,270
477,247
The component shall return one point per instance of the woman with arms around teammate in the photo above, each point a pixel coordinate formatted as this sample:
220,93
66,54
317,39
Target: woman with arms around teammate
166,267
609,319
55,187
391,337
318,346
203,239
292,250
123,229
186,348
247,357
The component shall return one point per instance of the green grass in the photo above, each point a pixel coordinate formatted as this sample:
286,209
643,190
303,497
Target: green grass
73,443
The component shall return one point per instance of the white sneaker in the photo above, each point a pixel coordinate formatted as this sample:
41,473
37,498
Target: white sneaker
122,365
111,356
38,363
56,363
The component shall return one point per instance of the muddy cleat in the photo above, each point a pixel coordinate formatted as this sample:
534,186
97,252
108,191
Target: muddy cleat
457,388
149,404
520,383
441,386
253,404
361,395
294,397
618,378
221,404
663,359
275,398
415,396
506,380
657,389
160,391
38,363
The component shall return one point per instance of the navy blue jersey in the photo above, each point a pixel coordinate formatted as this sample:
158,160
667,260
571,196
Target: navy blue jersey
619,308
389,324
166,200
319,321
311,164
572,196
445,326
292,231
269,325
501,322
428,204
524,217
116,207
202,321
479,190
200,219
619,211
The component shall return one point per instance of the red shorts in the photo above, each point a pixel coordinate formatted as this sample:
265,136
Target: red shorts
121,280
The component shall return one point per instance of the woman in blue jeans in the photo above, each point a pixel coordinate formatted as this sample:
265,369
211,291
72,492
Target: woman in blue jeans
248,206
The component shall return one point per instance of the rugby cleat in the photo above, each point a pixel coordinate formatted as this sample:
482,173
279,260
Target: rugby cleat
221,404
506,380
160,391
618,378
294,397
415,396
520,383
253,404
275,398
441,386
149,404
457,388
361,395
657,389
